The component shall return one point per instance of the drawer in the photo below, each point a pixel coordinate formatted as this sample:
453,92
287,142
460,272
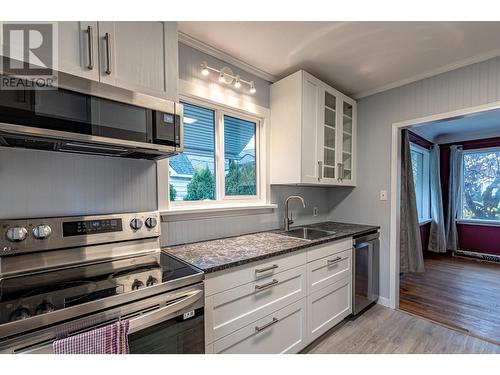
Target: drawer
328,270
235,308
281,332
226,279
328,249
328,307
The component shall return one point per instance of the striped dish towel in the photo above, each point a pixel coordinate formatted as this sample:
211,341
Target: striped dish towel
111,339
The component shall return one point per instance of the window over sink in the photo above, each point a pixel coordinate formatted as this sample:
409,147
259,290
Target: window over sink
220,162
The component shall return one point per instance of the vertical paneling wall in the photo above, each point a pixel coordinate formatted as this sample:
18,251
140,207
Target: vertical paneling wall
43,183
469,86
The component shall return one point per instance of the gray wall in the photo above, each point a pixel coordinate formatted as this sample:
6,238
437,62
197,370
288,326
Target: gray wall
190,61
470,86
42,183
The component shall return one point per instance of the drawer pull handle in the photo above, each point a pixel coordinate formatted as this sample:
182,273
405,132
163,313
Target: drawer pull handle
260,270
274,321
333,261
267,285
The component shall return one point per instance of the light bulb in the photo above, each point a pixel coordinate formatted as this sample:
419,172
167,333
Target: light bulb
221,77
252,88
204,69
237,84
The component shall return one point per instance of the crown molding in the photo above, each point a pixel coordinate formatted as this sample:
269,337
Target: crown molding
431,73
217,53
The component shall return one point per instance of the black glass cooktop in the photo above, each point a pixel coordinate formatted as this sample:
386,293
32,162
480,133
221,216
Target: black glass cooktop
33,295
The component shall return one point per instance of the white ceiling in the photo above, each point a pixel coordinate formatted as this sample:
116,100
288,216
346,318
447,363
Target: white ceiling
474,126
359,58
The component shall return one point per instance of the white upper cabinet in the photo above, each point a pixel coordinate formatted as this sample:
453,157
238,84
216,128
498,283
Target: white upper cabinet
138,56
77,49
132,56
313,133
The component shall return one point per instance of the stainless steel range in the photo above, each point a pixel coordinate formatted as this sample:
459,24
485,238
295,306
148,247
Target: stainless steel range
63,276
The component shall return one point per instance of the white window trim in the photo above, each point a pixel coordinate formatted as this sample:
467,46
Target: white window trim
471,221
427,216
233,205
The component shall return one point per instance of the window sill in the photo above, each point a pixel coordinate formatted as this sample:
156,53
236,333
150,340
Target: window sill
215,210
424,221
490,223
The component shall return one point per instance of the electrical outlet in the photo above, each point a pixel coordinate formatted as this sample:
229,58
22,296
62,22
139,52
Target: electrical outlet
315,211
383,195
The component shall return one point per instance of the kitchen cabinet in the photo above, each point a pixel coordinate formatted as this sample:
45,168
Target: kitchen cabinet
313,133
282,332
132,55
137,56
77,49
281,304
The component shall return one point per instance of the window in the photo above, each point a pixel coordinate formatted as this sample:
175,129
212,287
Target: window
481,185
220,158
420,165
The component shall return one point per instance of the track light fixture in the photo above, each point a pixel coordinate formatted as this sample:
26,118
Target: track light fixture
226,76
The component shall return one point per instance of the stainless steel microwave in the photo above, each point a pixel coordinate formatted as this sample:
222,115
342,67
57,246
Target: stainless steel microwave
89,117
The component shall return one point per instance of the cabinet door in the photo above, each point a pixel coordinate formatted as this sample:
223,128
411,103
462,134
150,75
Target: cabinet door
328,307
132,56
311,117
328,135
78,53
346,141
283,331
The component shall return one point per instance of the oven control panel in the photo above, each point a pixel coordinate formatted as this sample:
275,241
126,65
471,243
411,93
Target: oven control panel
33,235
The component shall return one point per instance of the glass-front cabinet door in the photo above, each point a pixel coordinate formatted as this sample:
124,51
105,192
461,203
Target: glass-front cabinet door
347,128
329,149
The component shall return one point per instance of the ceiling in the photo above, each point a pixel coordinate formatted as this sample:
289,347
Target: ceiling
474,126
358,58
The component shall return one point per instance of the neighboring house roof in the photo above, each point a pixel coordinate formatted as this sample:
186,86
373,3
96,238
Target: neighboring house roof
181,164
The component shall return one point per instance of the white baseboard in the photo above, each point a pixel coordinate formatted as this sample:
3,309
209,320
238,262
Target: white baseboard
384,301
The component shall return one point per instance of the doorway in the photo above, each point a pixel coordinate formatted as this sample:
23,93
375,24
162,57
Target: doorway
458,288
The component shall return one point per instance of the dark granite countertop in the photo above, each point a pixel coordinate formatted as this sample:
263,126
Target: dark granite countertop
219,254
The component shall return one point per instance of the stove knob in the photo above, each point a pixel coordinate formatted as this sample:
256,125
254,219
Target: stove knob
17,234
137,284
42,231
136,224
151,222
151,281
20,314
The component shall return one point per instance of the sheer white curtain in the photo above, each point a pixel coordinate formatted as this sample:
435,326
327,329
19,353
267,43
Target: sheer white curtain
437,235
454,194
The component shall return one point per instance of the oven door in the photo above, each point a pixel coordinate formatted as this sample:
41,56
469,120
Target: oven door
175,329
170,323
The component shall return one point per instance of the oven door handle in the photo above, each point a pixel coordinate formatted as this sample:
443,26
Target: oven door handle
164,313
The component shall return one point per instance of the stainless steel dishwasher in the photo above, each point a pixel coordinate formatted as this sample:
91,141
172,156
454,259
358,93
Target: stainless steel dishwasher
365,271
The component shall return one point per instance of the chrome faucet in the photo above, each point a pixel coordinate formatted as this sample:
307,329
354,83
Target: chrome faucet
287,220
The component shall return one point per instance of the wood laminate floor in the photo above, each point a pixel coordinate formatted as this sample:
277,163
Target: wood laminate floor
458,292
381,330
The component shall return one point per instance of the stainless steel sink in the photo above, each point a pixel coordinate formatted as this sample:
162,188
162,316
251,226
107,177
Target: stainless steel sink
308,233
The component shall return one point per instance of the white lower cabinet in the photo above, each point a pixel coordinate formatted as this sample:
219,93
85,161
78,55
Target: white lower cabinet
237,307
328,307
279,305
283,331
